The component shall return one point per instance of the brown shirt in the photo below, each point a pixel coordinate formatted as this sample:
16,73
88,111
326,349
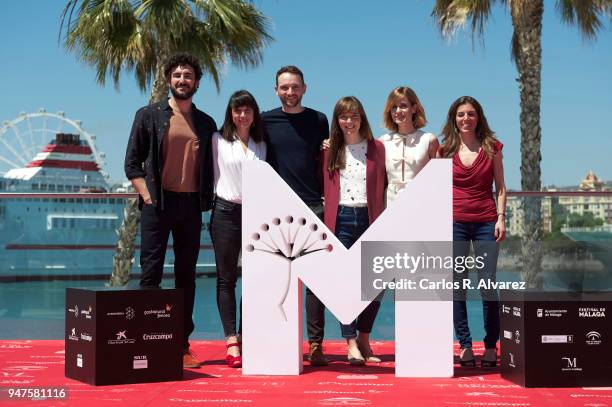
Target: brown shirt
181,156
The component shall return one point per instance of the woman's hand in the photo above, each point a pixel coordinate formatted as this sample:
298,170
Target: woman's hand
325,145
500,228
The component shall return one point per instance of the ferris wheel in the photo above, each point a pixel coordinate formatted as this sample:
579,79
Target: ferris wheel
23,137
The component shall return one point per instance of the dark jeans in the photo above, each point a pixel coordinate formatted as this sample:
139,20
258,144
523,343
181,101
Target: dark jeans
315,310
181,216
482,234
350,225
226,234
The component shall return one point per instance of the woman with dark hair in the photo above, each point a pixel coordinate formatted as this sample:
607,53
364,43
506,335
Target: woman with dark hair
241,139
477,164
408,149
353,185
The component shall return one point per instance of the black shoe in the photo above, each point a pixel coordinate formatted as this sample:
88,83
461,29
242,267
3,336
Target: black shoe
489,358
466,357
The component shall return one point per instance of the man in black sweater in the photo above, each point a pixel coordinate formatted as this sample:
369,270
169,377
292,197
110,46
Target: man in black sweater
293,136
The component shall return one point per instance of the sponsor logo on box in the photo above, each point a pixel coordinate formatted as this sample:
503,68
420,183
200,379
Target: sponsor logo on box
557,338
140,362
121,339
87,312
591,312
73,336
593,338
79,360
157,337
507,334
551,313
74,311
570,364
160,313
128,313
516,311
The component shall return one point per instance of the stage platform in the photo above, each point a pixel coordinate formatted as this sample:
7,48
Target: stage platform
40,363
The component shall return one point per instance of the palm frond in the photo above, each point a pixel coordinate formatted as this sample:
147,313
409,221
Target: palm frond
585,14
239,26
452,15
135,35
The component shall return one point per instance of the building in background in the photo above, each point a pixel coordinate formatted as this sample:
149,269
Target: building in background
598,205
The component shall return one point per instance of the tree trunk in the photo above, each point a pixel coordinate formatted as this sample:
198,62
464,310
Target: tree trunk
160,85
527,52
126,235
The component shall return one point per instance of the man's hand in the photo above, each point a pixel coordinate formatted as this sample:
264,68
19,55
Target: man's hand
140,186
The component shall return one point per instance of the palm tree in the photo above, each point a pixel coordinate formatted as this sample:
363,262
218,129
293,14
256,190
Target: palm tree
139,35
451,15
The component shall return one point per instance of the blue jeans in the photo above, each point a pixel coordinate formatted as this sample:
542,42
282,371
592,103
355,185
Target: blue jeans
351,222
482,235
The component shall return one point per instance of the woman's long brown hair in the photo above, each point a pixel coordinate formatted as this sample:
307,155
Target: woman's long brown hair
451,140
337,158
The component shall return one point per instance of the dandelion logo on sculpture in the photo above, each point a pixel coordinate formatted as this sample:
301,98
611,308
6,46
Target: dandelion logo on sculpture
288,239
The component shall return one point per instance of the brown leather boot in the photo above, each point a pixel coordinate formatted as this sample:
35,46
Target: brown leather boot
190,361
316,356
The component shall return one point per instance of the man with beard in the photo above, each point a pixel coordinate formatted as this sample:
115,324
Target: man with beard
169,163
294,135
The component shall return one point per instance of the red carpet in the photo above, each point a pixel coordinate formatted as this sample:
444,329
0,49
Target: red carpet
41,363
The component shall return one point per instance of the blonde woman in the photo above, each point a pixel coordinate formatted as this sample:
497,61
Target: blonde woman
407,147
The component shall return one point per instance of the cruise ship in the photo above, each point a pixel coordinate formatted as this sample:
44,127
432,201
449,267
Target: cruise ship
68,236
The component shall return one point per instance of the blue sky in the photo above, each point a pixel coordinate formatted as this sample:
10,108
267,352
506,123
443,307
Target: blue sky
345,48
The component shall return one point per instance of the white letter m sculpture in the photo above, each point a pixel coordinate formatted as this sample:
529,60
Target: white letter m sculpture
285,244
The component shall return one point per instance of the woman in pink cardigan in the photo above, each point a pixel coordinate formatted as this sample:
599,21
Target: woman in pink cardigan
354,181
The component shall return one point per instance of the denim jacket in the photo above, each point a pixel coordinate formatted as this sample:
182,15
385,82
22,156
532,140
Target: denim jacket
144,159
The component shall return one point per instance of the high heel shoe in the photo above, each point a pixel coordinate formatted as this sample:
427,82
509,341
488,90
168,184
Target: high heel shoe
367,353
233,361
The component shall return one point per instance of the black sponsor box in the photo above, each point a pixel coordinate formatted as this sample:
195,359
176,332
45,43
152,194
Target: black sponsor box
556,339
123,336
